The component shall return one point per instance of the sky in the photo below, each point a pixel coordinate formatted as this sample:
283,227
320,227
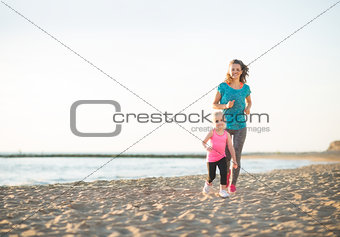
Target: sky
156,56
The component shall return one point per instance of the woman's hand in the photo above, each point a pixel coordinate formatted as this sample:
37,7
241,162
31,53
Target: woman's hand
247,110
235,165
230,104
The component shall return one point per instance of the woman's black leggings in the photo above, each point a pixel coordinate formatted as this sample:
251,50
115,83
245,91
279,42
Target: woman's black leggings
222,166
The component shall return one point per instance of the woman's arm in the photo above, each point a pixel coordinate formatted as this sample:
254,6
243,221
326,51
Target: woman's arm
217,105
232,151
248,101
206,139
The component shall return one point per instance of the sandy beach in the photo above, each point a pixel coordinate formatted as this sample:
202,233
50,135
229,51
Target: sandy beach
297,202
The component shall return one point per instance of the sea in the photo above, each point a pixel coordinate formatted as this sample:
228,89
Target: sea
51,170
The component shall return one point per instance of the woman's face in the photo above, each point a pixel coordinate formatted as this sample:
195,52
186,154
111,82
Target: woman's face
235,71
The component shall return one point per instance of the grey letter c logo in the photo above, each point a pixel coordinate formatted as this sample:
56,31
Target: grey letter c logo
82,134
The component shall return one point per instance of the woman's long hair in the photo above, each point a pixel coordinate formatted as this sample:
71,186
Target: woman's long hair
244,69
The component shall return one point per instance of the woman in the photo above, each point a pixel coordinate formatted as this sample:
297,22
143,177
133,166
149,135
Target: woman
233,96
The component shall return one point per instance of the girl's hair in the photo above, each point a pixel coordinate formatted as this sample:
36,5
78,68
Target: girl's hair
214,115
244,68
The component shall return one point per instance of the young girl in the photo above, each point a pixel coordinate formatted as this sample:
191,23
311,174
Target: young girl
219,139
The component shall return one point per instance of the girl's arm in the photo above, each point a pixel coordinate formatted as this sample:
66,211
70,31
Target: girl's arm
206,139
248,101
232,151
217,105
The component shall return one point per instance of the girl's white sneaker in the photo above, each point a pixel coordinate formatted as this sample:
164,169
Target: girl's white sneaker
223,194
206,188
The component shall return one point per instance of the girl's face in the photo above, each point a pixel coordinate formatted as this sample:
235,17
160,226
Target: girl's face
235,71
218,121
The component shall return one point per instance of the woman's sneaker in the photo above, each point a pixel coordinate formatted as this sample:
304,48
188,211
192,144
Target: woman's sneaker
223,194
206,188
232,188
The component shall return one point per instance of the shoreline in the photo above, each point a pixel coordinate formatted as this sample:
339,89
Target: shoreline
312,156
285,161
172,176
264,205
330,155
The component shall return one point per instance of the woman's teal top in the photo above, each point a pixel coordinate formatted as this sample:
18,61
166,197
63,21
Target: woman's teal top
235,116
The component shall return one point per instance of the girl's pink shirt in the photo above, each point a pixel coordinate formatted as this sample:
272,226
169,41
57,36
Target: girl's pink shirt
218,144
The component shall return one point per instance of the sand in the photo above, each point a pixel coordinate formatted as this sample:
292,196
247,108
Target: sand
297,202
